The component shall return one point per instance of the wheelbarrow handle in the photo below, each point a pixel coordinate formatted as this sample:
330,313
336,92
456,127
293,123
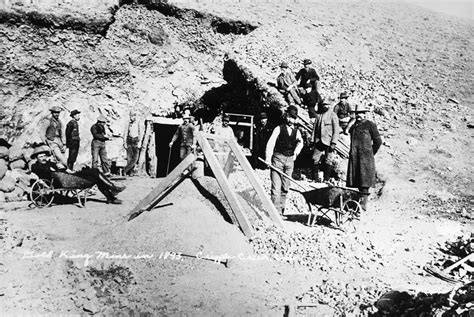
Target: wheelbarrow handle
281,173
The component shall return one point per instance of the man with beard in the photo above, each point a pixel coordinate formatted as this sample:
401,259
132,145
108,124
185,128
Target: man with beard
365,142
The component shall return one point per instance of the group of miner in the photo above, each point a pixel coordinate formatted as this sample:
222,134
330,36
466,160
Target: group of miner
328,123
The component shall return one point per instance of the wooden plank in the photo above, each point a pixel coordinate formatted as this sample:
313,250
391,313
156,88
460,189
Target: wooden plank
142,154
229,164
154,196
267,203
229,193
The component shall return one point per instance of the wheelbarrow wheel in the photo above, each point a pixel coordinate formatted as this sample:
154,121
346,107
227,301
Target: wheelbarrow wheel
349,216
42,193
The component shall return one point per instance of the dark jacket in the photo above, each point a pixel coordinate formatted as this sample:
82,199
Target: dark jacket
44,171
98,132
365,142
185,133
303,75
72,133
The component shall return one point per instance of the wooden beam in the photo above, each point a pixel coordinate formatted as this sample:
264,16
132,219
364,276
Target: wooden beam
146,140
229,164
267,203
229,192
155,195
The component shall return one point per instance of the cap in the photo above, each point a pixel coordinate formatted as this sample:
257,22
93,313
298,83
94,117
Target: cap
306,61
343,95
284,65
263,115
74,112
39,150
361,108
292,111
101,118
55,109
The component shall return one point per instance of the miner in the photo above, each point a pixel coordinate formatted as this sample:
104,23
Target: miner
98,147
52,135
343,110
72,138
287,84
186,133
132,143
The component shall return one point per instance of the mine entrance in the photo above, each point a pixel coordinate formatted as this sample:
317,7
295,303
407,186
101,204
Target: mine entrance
163,134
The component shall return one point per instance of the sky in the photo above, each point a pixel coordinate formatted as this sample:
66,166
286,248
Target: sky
458,8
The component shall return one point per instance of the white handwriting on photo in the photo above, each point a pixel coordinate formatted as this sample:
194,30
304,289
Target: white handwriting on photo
88,258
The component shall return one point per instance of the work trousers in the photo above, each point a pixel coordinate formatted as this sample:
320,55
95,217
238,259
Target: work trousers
98,150
132,154
320,154
55,146
292,97
280,184
184,151
73,152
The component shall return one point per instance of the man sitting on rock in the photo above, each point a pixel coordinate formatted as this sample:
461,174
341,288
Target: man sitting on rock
44,168
343,110
307,77
286,84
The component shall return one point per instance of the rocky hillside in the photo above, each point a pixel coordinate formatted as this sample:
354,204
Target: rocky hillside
414,67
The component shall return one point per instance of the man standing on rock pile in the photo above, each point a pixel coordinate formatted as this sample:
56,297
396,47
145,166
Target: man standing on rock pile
325,136
365,142
52,135
283,147
98,145
72,138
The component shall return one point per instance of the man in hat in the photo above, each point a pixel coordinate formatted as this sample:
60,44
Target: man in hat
286,84
226,132
283,147
343,110
98,145
365,142
132,143
186,133
263,131
72,138
325,135
311,99
307,77
52,135
44,169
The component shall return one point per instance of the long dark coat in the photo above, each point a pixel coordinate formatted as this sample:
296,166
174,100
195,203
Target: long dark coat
365,142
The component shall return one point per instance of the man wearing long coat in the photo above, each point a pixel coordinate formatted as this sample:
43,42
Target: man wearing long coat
365,142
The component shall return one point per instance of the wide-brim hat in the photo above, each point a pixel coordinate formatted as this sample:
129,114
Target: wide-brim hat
343,95
284,65
55,109
292,111
40,150
306,61
263,115
360,108
101,118
74,112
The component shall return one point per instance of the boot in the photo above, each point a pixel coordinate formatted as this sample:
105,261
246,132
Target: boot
110,186
316,177
114,200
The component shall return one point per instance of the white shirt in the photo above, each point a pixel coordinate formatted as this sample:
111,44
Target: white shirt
273,138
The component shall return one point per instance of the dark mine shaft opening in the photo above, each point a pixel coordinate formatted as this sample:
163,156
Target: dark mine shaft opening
163,135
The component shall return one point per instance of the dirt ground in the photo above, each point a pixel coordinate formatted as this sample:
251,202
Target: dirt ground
414,65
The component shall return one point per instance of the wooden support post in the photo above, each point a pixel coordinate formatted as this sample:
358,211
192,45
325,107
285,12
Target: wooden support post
151,153
146,140
229,193
156,194
267,203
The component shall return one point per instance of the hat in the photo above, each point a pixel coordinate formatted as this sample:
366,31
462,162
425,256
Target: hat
263,115
306,61
74,112
4,152
361,108
225,117
55,109
101,118
186,116
40,150
284,65
343,95
292,111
